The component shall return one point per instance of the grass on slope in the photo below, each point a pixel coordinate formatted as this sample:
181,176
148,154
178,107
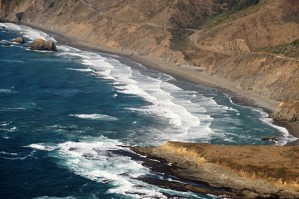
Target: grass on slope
179,39
289,49
233,6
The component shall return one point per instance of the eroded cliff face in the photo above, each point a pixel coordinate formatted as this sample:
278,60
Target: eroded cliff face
287,111
246,41
264,74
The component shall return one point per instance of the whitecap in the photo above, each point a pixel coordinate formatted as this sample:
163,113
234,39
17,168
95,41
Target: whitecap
7,153
11,61
285,138
2,25
94,116
7,91
28,32
97,161
51,197
13,129
104,160
11,26
81,69
4,123
41,147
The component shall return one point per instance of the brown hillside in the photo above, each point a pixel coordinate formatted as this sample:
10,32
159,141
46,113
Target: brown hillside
253,43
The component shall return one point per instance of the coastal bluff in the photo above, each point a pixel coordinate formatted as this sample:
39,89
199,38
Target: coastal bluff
236,171
287,111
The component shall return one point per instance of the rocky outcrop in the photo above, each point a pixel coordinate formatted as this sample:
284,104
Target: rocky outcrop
236,171
287,111
40,44
19,40
236,45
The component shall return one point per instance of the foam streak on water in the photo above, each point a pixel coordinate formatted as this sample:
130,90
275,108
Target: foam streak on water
93,116
183,115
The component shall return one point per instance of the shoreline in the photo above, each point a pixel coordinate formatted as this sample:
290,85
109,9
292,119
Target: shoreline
250,175
194,75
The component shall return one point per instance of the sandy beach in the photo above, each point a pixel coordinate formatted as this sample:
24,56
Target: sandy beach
187,73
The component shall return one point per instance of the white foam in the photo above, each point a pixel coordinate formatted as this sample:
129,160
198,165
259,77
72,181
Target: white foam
7,153
41,147
13,129
94,116
51,197
96,161
35,34
2,25
29,32
286,136
11,26
69,52
11,61
7,91
4,123
100,160
81,69
64,48
168,101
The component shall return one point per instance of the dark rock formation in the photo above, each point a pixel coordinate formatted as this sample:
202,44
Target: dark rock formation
19,17
267,138
40,44
7,44
287,111
19,40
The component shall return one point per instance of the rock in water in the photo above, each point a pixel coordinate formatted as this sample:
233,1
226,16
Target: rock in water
40,44
267,138
287,111
19,40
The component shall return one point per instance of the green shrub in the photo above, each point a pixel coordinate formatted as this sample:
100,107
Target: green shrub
179,37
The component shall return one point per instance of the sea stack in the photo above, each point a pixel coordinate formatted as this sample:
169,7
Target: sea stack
19,40
40,44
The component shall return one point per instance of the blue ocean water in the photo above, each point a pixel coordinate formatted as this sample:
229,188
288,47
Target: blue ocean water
66,117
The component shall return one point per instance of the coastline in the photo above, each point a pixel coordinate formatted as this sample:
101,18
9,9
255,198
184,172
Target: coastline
191,74
233,171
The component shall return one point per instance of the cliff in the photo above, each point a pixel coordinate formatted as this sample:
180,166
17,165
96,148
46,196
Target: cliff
253,43
287,111
236,171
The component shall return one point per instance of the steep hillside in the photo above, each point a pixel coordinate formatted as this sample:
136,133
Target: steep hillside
253,43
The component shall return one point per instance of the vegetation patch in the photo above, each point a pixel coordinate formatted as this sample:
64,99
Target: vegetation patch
291,16
223,10
19,1
51,4
179,39
289,50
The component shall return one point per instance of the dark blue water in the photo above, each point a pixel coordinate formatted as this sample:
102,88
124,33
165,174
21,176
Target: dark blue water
65,116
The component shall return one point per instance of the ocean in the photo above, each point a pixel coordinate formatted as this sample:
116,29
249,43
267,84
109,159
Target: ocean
66,118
